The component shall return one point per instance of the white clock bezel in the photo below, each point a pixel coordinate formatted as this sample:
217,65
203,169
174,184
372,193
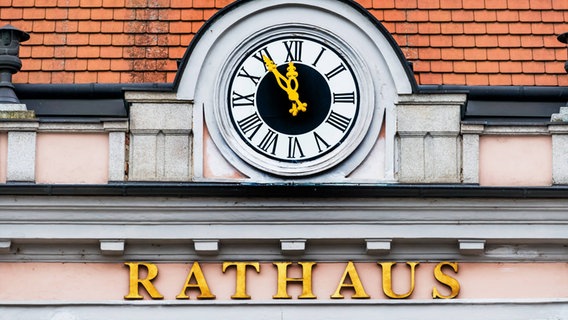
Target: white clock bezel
220,114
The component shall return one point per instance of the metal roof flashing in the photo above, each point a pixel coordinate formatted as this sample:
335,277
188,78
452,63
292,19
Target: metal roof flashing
507,105
487,104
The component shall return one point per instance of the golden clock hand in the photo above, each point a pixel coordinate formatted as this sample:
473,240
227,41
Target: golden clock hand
289,84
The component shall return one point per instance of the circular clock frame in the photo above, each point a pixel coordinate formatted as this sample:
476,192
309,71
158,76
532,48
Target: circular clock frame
279,165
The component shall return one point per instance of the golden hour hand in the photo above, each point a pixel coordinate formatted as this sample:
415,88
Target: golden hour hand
289,84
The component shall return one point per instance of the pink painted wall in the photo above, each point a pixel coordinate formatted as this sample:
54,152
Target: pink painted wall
214,164
105,282
72,158
515,161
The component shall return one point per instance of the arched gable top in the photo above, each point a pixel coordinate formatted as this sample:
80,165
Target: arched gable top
244,15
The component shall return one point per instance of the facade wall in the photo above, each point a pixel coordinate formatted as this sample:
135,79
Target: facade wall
429,213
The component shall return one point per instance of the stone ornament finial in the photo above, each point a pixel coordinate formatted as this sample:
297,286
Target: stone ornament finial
10,63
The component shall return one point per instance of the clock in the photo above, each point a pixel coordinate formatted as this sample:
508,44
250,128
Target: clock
293,102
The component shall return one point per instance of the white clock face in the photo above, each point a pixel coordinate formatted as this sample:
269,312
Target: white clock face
261,99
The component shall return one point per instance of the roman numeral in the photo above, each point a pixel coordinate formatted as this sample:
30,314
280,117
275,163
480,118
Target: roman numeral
250,123
243,73
318,57
319,141
293,147
335,71
269,140
338,121
240,100
344,97
294,50
262,52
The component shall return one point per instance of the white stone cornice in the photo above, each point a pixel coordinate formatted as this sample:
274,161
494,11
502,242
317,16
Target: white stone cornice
253,225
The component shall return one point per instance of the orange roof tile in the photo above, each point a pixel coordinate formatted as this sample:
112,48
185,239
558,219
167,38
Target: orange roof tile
461,42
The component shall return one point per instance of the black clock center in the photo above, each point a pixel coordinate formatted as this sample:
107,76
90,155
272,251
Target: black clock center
273,103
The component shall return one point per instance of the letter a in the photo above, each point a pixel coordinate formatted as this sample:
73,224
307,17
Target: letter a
200,284
355,284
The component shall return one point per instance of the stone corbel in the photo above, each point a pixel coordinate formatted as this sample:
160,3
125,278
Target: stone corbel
293,246
471,247
378,246
5,246
559,131
206,247
112,247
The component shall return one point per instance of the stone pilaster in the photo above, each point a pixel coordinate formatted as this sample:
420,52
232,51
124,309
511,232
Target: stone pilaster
559,131
160,142
430,146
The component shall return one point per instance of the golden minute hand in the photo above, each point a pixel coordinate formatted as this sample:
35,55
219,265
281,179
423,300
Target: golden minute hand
289,84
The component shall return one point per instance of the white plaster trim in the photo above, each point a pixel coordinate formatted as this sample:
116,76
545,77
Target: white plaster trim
509,130
151,97
290,309
19,126
43,226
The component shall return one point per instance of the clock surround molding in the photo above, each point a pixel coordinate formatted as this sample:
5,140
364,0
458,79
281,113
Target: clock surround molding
374,55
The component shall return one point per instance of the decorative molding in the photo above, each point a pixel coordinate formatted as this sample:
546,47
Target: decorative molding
59,228
464,309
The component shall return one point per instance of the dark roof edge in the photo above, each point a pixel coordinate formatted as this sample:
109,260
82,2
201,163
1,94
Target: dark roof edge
183,190
116,91
85,91
504,93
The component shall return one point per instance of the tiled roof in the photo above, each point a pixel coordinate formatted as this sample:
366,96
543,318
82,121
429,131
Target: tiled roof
471,42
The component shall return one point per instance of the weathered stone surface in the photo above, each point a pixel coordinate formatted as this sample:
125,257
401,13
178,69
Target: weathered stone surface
428,127
160,144
560,156
21,156
117,156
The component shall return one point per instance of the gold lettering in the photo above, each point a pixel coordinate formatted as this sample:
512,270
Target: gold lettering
387,279
135,281
283,280
200,283
241,289
446,280
355,283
